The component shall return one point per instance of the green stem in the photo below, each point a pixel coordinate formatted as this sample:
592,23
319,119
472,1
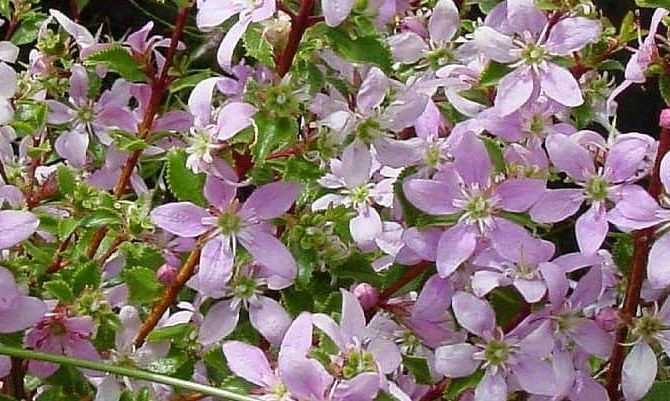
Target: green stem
123,371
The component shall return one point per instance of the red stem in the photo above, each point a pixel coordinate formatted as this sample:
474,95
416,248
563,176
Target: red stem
158,88
405,279
298,26
642,240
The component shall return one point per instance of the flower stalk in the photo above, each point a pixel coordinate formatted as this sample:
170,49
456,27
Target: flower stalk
642,241
123,371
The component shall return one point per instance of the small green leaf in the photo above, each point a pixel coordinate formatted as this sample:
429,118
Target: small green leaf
653,3
61,290
173,333
418,367
29,27
119,60
611,65
273,133
184,184
664,88
66,180
258,47
458,386
622,252
495,154
30,116
102,217
363,49
583,115
506,303
189,81
493,73
87,275
628,30
142,284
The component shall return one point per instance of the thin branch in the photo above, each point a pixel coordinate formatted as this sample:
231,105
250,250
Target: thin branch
286,10
641,243
169,295
158,88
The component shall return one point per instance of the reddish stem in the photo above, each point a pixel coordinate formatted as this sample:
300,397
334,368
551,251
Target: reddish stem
642,240
298,26
405,279
158,88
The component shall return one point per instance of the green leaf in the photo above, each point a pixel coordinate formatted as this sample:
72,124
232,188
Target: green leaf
664,88
506,303
495,154
363,49
611,65
66,180
628,30
61,290
29,27
189,81
175,333
87,275
458,386
622,252
185,185
418,367
297,301
127,141
102,217
142,284
493,73
119,60
653,3
487,5
659,391
30,116
583,115
358,267
258,47
273,133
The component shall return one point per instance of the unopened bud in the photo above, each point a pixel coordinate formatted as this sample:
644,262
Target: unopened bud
607,319
367,295
664,120
167,275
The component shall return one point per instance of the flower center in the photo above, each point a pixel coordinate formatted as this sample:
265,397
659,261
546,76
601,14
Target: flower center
537,124
358,362
439,57
496,352
58,329
368,130
478,208
534,54
433,156
360,194
647,326
230,223
85,115
596,187
244,287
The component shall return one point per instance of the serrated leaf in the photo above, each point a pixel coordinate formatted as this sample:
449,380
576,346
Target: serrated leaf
272,134
189,81
184,184
358,267
29,27
493,73
173,333
119,60
142,284
66,180
418,367
60,290
88,275
258,47
30,116
102,217
363,49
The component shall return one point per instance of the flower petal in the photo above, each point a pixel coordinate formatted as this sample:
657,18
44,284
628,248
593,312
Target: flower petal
180,218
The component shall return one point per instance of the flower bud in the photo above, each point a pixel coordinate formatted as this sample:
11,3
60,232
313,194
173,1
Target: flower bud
167,275
367,295
664,120
607,319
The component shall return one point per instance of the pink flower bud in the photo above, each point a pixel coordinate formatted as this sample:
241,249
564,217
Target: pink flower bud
664,120
367,295
607,319
167,275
